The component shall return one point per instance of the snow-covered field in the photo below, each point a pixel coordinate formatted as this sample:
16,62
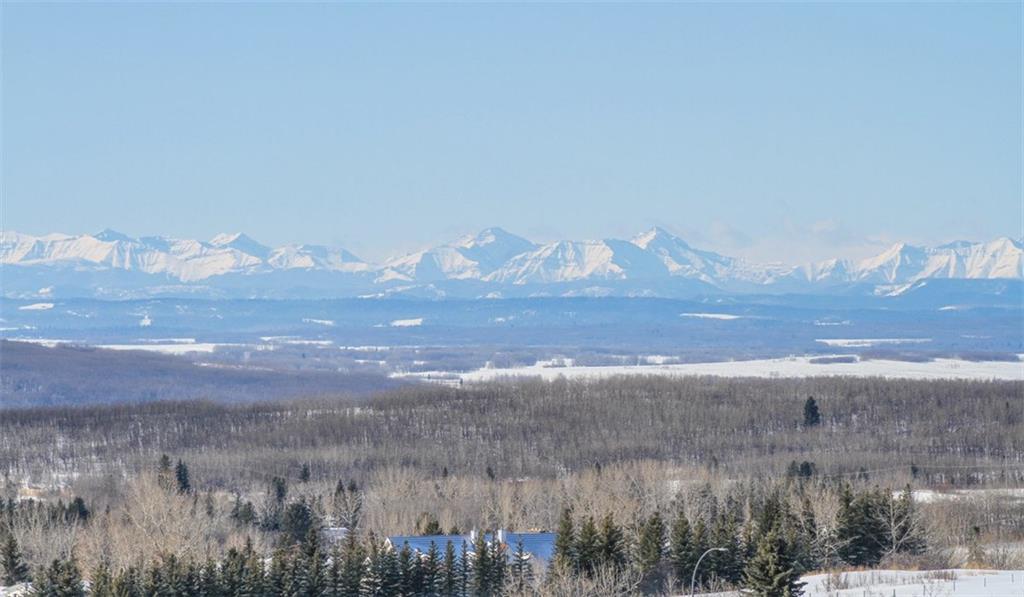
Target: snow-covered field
785,367
899,583
906,583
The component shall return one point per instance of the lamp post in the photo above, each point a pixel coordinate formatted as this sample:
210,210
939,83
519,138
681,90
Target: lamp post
693,579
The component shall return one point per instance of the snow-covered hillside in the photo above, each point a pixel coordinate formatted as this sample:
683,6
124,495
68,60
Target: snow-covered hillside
491,263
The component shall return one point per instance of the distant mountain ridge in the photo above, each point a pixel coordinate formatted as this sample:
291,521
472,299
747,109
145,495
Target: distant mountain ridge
492,262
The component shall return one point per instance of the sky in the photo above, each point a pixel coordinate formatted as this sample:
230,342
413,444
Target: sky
778,132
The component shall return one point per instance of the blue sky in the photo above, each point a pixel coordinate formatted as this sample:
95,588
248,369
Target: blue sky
774,131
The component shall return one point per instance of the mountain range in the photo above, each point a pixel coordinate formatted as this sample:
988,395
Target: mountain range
491,263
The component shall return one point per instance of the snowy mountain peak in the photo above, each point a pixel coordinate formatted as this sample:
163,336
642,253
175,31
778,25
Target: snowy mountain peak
652,262
658,236
109,235
241,242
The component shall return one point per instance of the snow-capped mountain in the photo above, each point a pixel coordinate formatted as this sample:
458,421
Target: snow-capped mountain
491,263
905,264
683,260
572,261
471,257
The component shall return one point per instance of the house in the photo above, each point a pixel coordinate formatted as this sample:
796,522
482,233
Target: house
540,546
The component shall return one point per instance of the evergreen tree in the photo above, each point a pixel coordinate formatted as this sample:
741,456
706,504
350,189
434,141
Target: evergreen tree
450,572
651,546
353,565
390,573
164,473
304,473
427,525
812,416
481,584
430,572
521,570
465,569
12,567
771,572
498,566
588,547
564,556
60,579
613,544
181,477
129,584
101,583
310,566
682,554
297,521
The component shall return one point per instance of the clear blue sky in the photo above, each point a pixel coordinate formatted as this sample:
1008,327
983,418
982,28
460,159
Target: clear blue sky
783,131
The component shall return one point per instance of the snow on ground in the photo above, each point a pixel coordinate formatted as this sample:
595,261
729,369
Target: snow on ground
327,322
785,367
407,323
724,316
910,583
36,307
866,342
145,322
171,348
929,496
899,583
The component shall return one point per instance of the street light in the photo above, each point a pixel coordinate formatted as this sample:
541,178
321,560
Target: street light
693,579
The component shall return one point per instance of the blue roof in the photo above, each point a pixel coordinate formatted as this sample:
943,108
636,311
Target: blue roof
540,545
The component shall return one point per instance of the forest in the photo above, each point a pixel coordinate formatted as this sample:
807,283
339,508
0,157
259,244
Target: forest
635,475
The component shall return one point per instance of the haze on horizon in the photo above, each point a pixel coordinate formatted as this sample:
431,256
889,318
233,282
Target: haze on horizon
771,131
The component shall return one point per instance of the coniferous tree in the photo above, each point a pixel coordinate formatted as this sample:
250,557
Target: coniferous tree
129,583
60,579
465,570
181,477
812,416
771,572
430,572
682,552
521,570
613,544
650,550
498,562
450,572
481,584
353,558
564,555
304,473
310,570
588,547
390,573
13,569
101,582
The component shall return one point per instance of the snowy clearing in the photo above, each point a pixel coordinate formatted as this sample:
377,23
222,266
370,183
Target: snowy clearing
723,316
407,323
911,583
36,307
176,348
327,322
867,342
785,367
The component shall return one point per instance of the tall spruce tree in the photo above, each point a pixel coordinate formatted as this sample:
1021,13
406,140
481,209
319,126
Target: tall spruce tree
588,547
650,551
812,416
613,544
12,565
564,556
771,572
682,554
181,477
